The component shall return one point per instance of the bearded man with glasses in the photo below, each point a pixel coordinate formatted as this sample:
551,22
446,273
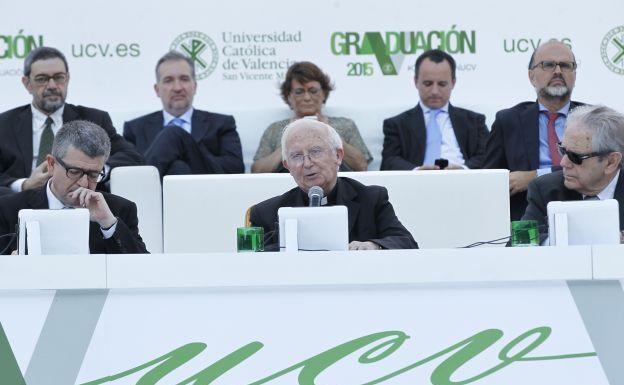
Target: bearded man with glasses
591,161
28,131
79,153
524,137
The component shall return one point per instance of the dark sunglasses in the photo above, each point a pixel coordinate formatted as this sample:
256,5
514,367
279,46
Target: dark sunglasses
577,158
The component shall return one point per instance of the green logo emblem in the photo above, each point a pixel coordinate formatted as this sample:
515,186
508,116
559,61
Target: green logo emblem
612,50
199,47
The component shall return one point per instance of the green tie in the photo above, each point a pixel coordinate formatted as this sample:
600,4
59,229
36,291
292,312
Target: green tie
47,137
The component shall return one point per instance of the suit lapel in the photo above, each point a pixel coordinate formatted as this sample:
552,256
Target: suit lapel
419,130
69,113
619,196
200,125
153,126
24,133
529,125
460,128
38,198
346,195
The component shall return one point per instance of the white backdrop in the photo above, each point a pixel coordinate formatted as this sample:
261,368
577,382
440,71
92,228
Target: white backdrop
112,47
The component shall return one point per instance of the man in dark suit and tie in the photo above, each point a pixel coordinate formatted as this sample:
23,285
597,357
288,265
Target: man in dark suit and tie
592,156
179,139
434,128
524,137
79,153
312,152
27,132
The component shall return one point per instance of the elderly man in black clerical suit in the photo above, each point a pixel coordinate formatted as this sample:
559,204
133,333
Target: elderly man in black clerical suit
180,139
434,129
76,165
312,153
591,162
27,132
524,137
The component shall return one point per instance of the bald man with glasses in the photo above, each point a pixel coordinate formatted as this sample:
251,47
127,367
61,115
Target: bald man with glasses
591,162
524,137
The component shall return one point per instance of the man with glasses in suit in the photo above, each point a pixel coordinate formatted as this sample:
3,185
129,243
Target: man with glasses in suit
28,131
79,154
524,137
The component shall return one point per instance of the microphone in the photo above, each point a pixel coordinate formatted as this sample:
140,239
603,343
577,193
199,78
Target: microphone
315,194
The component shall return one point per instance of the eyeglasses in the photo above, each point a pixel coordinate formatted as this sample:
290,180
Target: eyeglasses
75,173
550,65
313,154
313,91
577,158
42,80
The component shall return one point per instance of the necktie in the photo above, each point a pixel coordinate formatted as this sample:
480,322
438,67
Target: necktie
177,122
553,139
45,144
591,198
434,138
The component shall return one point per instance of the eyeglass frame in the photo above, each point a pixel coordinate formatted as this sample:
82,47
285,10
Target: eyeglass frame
577,158
56,77
573,65
314,154
100,175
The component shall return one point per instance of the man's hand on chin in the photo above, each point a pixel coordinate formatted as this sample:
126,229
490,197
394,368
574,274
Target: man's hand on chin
93,201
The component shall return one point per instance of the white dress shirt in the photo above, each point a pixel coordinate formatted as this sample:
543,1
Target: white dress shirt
450,147
38,123
187,117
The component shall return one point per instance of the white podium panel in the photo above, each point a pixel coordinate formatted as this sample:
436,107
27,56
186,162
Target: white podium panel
501,316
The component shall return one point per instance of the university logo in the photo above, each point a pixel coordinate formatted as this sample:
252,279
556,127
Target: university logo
612,50
201,49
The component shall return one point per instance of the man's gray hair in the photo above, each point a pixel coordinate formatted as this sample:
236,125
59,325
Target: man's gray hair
174,56
43,53
84,136
605,124
332,138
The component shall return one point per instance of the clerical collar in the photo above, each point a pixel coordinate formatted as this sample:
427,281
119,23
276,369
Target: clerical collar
328,200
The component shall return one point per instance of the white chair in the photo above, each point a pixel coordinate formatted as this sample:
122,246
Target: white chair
141,184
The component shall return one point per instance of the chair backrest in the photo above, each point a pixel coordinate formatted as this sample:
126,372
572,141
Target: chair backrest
141,184
440,208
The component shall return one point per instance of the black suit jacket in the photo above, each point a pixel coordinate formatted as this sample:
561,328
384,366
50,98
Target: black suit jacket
371,216
514,145
405,138
215,134
125,239
550,187
16,145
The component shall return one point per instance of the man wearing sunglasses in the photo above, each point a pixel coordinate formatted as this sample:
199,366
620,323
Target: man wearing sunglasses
591,160
76,165
27,132
524,137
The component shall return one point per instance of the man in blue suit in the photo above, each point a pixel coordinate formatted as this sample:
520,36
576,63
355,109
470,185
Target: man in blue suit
179,139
